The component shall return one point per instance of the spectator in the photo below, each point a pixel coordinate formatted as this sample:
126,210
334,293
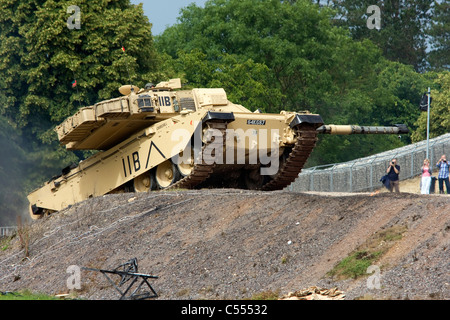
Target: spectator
392,173
443,174
426,177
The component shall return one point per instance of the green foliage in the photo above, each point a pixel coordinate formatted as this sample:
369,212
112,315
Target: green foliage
402,36
39,58
335,149
439,30
439,111
295,41
388,93
245,81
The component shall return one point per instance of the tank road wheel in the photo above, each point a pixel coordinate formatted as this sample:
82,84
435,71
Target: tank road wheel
38,213
144,182
35,212
185,166
166,174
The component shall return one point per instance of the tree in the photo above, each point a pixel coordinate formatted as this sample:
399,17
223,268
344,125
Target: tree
389,94
402,35
295,41
439,31
439,111
245,82
40,57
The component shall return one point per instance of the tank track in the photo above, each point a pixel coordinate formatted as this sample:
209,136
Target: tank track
202,169
291,163
291,166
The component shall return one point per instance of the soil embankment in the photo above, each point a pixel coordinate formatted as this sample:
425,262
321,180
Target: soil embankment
233,244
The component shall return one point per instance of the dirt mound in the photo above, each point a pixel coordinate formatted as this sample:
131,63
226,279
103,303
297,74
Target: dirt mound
233,244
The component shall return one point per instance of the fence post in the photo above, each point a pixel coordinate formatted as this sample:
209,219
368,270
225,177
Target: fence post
432,153
7,231
331,177
371,172
351,176
311,179
412,160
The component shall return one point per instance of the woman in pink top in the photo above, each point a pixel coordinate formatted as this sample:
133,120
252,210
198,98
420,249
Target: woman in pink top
426,177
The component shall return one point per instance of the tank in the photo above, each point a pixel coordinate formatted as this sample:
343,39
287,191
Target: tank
163,137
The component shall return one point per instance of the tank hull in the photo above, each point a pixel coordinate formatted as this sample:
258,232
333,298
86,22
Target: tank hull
240,141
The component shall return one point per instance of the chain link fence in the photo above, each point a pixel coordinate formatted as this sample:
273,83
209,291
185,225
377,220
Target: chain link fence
364,174
7,231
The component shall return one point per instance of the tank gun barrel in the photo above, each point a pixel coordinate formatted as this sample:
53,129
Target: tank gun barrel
353,129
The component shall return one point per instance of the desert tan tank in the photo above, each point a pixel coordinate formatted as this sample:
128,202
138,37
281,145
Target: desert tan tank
162,137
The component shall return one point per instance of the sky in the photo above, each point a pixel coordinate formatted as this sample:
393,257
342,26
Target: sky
162,14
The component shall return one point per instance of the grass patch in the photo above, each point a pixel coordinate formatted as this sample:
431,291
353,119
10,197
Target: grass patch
26,295
5,242
266,295
356,264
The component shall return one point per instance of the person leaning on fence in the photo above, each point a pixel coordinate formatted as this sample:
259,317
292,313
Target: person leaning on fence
443,176
392,174
425,182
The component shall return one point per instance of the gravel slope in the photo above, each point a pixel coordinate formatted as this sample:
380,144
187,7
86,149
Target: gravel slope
234,244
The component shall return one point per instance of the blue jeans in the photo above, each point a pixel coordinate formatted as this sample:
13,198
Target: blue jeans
441,185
